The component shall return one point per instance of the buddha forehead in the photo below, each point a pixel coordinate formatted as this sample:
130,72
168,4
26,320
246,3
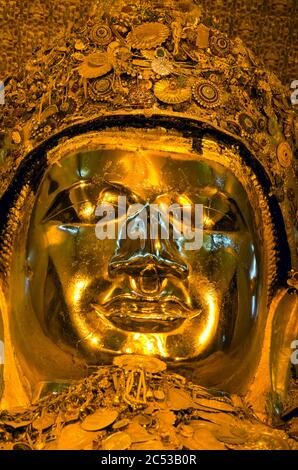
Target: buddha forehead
147,173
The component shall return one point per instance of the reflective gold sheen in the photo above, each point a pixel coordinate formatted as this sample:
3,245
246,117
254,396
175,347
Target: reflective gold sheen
149,103
142,296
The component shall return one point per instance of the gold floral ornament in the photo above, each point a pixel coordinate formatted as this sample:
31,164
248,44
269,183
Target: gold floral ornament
284,154
101,35
100,89
148,35
207,94
139,366
162,66
172,91
95,65
220,45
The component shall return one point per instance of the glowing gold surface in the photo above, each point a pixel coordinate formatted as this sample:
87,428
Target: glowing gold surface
141,296
225,315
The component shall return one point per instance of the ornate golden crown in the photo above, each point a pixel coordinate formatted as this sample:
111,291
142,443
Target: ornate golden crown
154,59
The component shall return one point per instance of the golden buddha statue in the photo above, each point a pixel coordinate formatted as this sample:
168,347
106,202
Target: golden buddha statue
148,104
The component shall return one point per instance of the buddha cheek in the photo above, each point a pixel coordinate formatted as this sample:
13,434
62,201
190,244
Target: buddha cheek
78,259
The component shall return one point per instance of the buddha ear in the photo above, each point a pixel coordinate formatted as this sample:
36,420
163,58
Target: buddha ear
268,392
10,372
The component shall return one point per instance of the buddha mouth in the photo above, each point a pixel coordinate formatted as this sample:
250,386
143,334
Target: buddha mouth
145,314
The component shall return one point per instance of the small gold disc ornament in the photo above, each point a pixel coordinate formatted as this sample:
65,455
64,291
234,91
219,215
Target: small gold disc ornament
206,94
101,35
220,45
284,154
100,89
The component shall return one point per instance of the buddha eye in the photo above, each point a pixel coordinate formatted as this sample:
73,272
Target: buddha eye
118,196
108,196
78,213
86,212
217,221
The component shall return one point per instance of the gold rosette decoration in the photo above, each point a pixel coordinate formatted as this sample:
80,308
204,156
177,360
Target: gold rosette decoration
247,123
101,35
162,66
100,89
220,45
172,91
148,35
284,154
206,94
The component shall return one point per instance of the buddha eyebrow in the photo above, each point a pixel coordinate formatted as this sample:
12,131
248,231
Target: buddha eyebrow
62,201
120,188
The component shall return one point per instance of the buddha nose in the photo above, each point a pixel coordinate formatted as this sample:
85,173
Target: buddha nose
149,259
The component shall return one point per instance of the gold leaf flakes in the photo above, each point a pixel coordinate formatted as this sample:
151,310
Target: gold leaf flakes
79,45
159,395
186,430
165,417
138,433
205,440
73,437
78,56
148,54
44,422
148,35
118,441
16,137
135,362
99,420
214,404
123,423
179,399
143,420
17,424
154,444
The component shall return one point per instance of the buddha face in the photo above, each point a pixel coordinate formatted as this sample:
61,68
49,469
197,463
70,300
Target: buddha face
145,296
